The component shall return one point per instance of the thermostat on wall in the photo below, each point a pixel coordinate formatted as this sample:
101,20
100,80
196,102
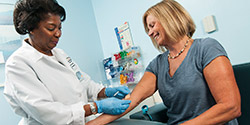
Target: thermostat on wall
209,24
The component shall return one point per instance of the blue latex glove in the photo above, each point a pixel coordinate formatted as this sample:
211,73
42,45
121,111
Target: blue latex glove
112,106
118,92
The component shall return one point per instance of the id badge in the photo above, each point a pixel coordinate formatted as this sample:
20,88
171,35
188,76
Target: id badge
79,76
75,69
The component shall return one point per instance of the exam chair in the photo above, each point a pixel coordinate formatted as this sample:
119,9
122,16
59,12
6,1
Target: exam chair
242,76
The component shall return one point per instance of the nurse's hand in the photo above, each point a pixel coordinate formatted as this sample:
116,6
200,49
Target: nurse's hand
112,106
118,92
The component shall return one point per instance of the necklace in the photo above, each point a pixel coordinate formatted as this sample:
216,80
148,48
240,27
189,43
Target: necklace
173,57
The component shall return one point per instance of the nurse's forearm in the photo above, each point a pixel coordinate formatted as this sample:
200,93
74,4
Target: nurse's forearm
87,109
101,94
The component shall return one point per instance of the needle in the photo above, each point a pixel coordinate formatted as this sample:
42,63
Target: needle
116,93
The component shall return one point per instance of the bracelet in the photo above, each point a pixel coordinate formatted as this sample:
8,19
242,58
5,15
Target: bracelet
92,108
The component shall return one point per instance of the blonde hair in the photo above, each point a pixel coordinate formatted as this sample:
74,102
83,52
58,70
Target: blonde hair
174,18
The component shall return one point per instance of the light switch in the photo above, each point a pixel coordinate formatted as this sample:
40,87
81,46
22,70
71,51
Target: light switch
209,24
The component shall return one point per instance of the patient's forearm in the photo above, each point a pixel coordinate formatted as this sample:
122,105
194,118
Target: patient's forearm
145,88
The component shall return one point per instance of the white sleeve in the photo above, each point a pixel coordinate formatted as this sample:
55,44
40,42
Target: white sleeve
35,99
93,88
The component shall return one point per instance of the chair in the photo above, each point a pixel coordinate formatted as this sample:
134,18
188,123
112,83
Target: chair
242,76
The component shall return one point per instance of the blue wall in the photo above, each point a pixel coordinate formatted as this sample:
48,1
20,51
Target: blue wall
112,13
80,37
80,40
232,21
7,116
231,18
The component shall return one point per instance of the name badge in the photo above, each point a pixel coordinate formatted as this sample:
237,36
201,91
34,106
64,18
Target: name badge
79,75
71,63
75,68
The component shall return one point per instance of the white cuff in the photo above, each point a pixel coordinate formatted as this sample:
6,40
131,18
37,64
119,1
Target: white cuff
78,114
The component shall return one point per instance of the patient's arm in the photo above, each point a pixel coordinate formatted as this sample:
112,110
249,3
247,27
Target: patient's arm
145,88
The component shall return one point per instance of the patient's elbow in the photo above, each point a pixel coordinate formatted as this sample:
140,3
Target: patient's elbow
236,110
237,113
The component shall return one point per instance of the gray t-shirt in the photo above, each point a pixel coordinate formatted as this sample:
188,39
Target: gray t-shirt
186,94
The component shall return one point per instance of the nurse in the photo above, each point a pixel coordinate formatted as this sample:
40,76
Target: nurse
43,84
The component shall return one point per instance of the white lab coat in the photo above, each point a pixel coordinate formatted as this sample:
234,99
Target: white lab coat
44,91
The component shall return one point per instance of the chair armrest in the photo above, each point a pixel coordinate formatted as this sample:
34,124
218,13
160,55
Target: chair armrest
158,113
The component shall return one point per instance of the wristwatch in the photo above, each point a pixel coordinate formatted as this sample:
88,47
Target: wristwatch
92,108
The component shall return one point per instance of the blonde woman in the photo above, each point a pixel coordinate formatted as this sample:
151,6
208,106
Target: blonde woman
194,77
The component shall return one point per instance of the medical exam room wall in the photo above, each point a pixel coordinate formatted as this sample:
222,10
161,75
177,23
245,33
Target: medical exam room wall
80,40
231,18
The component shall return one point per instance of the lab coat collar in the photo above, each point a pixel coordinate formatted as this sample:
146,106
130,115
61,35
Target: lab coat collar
36,55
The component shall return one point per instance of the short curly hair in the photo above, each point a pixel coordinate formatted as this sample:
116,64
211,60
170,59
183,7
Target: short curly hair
28,13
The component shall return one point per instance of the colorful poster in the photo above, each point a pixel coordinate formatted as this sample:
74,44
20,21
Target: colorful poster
124,36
